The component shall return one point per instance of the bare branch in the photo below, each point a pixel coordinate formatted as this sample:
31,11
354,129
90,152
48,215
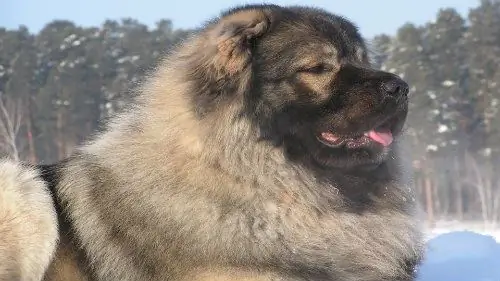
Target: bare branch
10,124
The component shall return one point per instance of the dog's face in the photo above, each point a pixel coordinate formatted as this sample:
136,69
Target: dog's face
312,89
317,95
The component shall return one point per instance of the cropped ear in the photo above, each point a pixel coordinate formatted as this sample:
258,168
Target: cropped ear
233,37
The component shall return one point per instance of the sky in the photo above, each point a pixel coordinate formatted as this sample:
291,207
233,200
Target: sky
372,16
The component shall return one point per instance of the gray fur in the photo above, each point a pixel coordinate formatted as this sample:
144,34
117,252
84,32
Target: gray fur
164,194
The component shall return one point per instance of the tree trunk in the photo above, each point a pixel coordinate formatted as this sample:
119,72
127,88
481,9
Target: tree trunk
429,197
60,135
29,127
458,190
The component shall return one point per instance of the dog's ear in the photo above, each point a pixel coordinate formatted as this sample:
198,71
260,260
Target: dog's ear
233,37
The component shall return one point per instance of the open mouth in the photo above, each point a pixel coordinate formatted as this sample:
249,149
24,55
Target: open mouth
383,138
381,135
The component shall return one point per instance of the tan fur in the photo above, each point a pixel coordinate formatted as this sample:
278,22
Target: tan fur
165,195
65,265
231,56
183,165
229,274
28,225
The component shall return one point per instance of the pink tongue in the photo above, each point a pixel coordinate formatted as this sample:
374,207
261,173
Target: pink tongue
384,138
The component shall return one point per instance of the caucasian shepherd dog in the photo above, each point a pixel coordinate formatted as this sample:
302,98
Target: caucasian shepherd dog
265,147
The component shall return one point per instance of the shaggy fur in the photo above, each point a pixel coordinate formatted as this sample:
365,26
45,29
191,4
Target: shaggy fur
216,172
28,224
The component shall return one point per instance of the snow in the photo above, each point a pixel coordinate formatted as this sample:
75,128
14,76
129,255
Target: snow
431,94
448,83
442,128
461,252
432,147
486,152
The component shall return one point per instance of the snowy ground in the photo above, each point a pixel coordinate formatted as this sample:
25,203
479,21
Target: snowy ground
442,227
462,252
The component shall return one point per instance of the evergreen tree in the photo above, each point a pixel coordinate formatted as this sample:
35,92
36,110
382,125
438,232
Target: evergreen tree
68,78
483,48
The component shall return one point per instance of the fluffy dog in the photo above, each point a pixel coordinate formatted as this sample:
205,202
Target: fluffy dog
265,147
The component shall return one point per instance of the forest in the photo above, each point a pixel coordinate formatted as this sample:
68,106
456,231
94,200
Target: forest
58,85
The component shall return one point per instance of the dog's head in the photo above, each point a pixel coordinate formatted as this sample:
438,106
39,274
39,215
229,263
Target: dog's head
309,84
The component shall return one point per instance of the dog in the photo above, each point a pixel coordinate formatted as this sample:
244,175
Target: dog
264,147
28,223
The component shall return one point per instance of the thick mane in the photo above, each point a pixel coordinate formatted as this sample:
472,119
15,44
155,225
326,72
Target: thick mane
198,184
222,141
247,154
173,113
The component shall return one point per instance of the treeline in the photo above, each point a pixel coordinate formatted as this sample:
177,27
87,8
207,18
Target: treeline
453,66
57,85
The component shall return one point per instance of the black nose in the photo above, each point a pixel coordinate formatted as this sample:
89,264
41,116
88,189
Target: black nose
395,87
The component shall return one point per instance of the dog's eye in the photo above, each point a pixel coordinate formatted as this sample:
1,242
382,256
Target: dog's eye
317,69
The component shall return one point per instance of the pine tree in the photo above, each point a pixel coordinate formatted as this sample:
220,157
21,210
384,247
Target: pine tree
21,87
483,46
54,44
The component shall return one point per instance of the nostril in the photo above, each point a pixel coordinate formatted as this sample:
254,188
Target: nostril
396,86
405,89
